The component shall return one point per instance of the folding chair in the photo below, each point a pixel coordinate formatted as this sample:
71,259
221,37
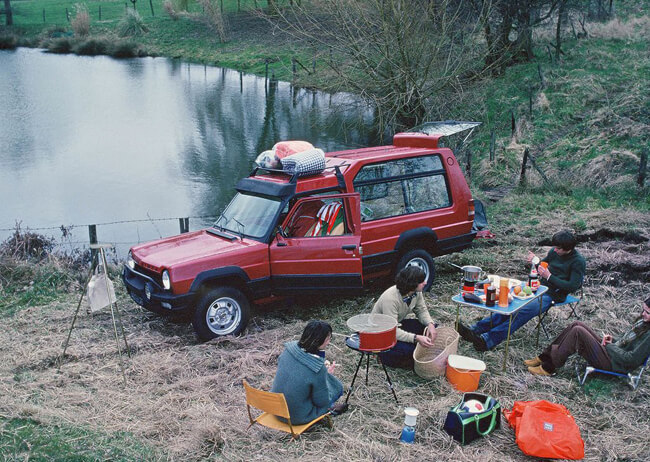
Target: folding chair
571,301
632,380
274,405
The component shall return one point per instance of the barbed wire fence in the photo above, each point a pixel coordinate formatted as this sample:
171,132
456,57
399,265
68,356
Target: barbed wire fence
69,241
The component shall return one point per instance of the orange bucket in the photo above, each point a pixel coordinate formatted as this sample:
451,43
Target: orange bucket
464,373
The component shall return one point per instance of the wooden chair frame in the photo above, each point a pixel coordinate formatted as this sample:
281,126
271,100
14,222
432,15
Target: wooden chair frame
274,405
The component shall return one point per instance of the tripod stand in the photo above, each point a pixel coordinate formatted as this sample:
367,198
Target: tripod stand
99,258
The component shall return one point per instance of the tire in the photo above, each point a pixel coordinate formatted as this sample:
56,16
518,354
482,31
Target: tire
221,311
422,259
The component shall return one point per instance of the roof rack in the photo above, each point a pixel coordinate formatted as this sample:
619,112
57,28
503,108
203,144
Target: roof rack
294,175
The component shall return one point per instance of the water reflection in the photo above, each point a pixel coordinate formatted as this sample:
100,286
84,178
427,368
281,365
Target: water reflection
94,140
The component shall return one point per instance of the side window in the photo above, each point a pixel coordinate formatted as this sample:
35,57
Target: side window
402,186
317,218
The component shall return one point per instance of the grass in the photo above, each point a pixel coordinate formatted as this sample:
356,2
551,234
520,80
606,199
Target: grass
28,439
184,400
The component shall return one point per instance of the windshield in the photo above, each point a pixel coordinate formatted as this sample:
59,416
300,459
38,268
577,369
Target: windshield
248,215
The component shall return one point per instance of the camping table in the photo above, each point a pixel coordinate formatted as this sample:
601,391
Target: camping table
509,311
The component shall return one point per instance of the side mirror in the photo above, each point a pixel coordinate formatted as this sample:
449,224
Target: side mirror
280,236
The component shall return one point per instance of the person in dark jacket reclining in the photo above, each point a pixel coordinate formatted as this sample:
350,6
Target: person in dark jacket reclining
565,273
623,355
305,378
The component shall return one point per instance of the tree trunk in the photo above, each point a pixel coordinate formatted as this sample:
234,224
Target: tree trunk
561,13
9,16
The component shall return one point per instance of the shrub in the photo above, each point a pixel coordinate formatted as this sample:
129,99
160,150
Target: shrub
181,5
92,47
213,17
81,21
59,45
126,49
8,42
131,25
168,6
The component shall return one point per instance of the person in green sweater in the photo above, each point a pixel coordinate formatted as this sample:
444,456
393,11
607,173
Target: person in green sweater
400,302
623,355
564,274
305,378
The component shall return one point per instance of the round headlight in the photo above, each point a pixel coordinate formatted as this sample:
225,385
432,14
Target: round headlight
167,283
130,261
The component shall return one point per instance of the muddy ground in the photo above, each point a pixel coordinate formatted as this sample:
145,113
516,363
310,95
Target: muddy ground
187,398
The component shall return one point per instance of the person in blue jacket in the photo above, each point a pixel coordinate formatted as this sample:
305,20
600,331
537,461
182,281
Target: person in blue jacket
305,378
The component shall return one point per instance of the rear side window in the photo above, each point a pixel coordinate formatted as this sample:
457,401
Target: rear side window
402,186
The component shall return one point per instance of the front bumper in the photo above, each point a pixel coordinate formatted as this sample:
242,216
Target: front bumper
157,299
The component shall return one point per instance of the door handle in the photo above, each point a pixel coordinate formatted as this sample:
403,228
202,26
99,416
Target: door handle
349,247
281,244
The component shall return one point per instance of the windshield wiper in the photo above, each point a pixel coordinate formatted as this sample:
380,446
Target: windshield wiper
241,229
221,228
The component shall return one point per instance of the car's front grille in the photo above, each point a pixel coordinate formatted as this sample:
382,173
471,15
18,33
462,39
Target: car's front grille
152,274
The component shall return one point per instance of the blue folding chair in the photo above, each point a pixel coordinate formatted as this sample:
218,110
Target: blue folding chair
571,301
632,380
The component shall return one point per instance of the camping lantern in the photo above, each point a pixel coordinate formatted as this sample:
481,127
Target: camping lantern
408,432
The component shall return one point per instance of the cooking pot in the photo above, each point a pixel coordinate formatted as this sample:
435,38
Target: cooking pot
472,273
377,332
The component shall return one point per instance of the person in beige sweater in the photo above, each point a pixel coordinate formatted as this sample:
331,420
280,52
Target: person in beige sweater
400,301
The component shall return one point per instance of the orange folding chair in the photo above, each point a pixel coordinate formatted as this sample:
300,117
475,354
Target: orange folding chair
274,405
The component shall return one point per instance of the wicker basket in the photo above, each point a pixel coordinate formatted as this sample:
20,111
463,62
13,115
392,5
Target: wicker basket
432,362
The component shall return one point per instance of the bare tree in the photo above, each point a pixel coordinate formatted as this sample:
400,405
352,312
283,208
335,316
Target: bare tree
508,27
400,55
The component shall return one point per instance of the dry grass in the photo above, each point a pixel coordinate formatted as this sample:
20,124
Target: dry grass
187,397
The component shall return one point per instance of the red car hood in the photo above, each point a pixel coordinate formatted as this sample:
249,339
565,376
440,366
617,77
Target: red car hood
168,252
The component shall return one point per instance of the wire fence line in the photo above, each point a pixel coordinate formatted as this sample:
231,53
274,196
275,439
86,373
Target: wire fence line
119,222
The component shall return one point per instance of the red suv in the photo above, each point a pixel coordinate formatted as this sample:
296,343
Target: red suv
371,212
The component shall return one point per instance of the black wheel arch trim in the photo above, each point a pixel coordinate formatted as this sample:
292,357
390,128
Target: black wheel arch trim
417,234
216,274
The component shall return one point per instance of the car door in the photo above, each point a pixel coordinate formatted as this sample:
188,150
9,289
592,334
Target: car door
318,246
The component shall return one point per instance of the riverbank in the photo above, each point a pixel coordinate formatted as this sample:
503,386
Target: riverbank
184,400
252,44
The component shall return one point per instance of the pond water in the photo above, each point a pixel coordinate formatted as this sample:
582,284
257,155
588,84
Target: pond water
143,142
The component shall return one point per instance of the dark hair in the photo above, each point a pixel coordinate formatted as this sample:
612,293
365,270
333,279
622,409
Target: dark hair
314,335
565,240
408,279
647,301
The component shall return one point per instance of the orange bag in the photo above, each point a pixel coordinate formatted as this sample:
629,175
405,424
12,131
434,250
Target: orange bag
545,429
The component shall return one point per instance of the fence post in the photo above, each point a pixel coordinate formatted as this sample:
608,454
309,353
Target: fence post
643,166
530,101
151,5
522,176
513,123
541,76
184,225
100,12
492,140
92,237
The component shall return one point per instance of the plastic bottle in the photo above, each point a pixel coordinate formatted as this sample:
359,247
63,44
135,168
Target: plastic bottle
504,291
533,278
